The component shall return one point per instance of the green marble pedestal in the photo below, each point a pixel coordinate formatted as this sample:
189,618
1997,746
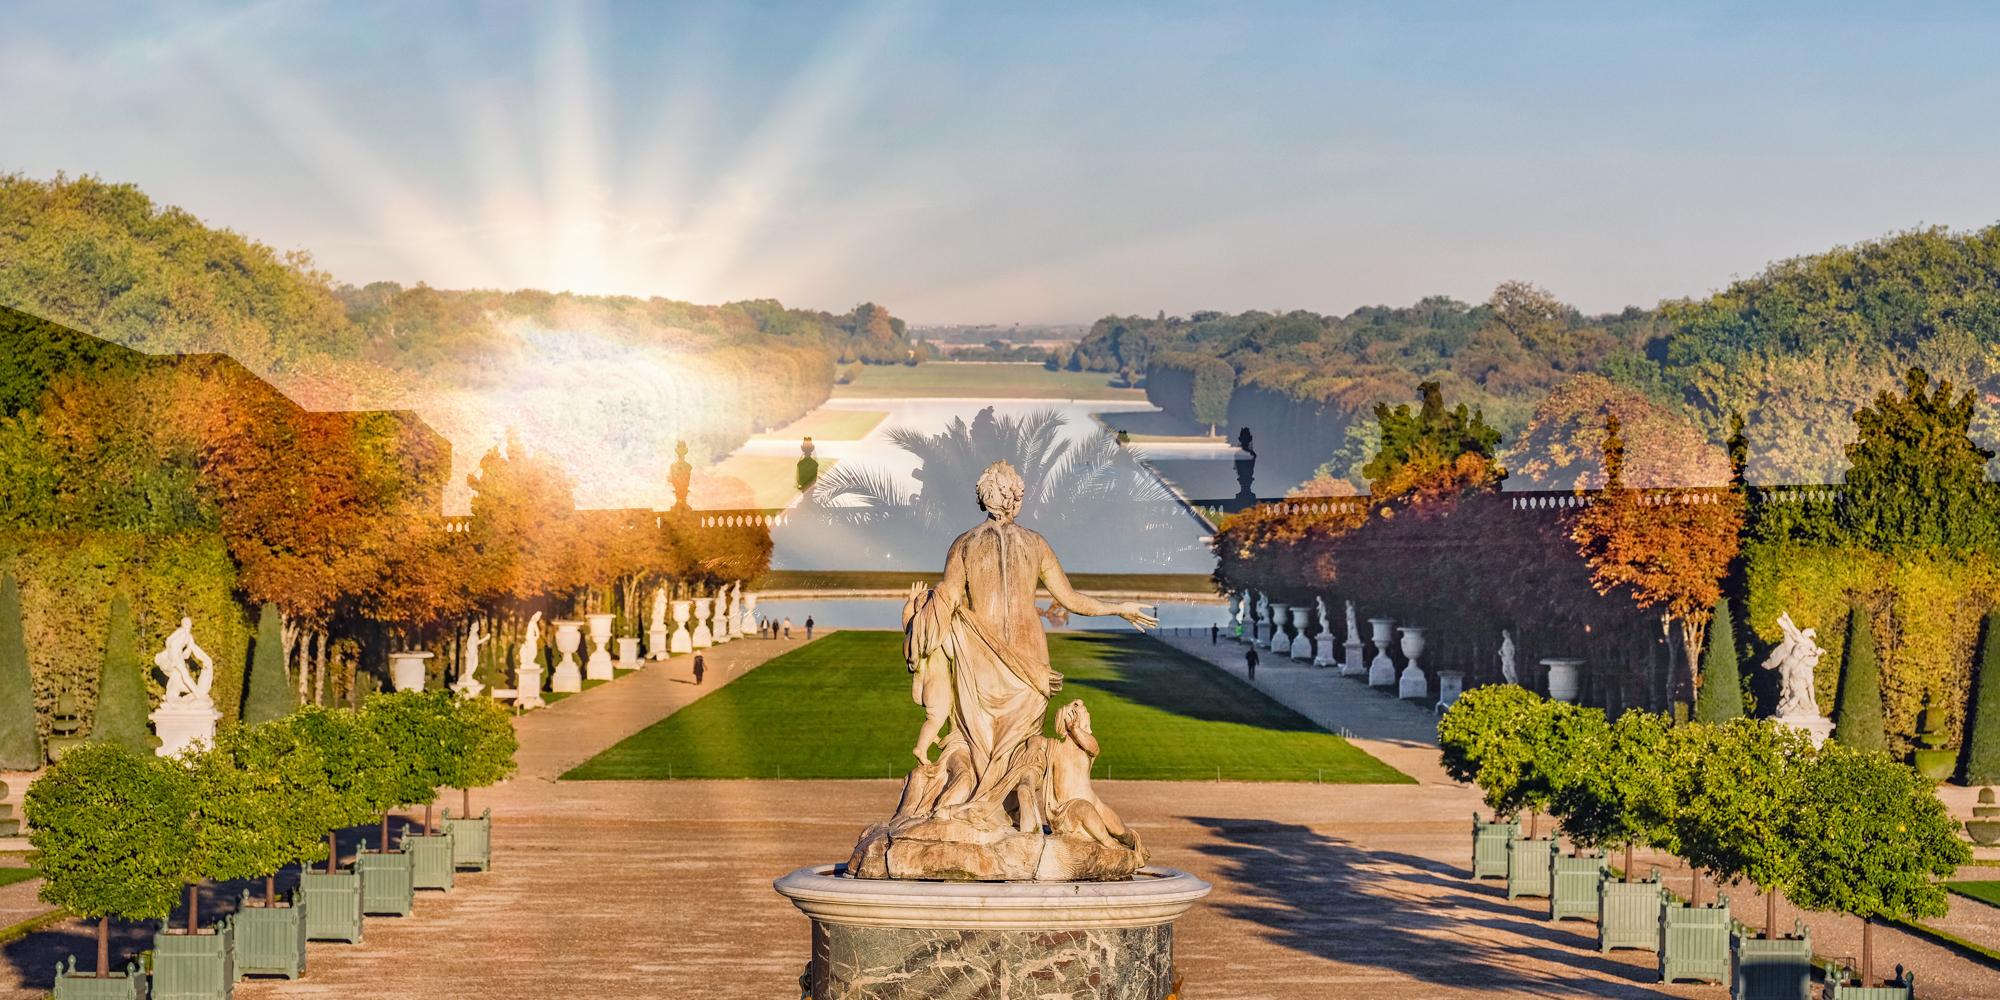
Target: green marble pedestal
882,939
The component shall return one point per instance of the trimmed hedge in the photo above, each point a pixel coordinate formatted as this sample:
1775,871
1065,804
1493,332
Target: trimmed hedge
1721,696
1982,759
1857,719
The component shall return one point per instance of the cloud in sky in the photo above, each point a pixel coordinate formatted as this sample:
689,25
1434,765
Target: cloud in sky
964,163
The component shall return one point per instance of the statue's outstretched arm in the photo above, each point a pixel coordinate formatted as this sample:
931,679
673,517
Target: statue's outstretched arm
1053,577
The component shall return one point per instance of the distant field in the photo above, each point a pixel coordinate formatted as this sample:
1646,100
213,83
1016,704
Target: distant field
840,708
796,579
751,481
830,425
996,381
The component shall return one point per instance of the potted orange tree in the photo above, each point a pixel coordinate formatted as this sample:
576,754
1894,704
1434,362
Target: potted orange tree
484,756
1502,738
349,755
1612,771
415,729
293,796
111,840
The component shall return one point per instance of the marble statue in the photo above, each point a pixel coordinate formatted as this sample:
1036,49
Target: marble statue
1507,668
187,715
656,631
680,475
528,666
1353,631
468,683
980,662
1795,660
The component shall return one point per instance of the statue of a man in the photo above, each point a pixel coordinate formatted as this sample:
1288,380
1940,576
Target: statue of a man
1795,659
983,617
173,662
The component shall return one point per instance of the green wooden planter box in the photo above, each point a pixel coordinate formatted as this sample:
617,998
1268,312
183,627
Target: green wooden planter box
471,840
1902,987
1573,883
431,865
1528,866
74,985
332,905
1489,846
1628,913
1775,969
271,940
195,966
386,882
1694,942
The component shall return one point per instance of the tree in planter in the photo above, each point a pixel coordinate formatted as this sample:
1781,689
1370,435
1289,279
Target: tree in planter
110,836
289,788
1857,715
268,693
1873,840
1508,741
1721,695
229,839
1734,786
417,732
484,748
352,757
1612,775
20,745
1982,757
121,686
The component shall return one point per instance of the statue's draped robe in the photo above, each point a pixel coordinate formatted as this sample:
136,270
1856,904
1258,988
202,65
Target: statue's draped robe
983,615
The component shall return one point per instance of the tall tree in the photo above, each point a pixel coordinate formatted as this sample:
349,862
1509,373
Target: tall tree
1857,713
20,744
1721,696
1982,757
1413,444
269,693
1915,479
121,686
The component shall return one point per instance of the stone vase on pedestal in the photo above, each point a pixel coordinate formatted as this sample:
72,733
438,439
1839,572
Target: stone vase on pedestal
893,940
184,725
1565,677
598,668
682,642
628,652
1279,641
719,628
1323,646
703,638
1381,669
1302,648
746,617
406,669
568,675
1413,685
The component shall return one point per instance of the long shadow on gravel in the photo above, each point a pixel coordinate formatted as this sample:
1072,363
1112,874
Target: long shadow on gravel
1329,898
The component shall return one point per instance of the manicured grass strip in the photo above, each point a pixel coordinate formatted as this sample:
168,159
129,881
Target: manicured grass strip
830,425
841,708
1951,942
992,381
1160,583
1987,892
14,932
9,876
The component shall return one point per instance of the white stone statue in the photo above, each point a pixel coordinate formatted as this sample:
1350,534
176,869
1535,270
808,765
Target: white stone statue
528,666
1323,646
468,682
981,662
187,715
1350,664
659,607
1507,668
1795,659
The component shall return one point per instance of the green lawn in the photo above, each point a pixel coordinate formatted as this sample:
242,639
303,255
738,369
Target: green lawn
841,708
873,579
829,425
1984,891
9,876
994,381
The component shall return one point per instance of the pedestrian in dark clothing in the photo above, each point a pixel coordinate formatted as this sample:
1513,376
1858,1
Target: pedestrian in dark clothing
1250,662
700,667
809,627
1214,634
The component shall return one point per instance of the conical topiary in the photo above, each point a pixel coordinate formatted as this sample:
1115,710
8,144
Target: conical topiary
268,693
1982,758
20,745
121,686
1721,697
1857,713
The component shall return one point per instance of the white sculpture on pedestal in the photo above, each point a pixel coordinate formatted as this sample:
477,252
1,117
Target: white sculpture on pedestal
1231,615
702,637
568,675
186,717
468,684
719,629
1245,609
1795,660
683,641
528,666
1413,684
746,618
656,633
1507,668
1381,669
1323,648
1262,621
1301,648
1280,641
598,667
1351,666
737,616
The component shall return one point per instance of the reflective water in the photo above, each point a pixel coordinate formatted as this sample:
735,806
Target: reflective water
887,613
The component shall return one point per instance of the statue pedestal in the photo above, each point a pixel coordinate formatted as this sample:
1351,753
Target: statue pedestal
184,725
1323,650
628,652
656,642
1351,666
881,939
1817,727
598,667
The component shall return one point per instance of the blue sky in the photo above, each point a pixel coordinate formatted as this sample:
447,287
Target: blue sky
984,163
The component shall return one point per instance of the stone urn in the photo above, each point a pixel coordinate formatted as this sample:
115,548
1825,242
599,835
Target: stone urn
1279,641
682,641
703,638
719,629
1381,669
747,619
1565,677
1413,684
1302,647
568,675
406,669
628,652
598,667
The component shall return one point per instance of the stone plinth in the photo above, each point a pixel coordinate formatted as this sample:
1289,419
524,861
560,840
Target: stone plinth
568,676
890,940
598,667
184,725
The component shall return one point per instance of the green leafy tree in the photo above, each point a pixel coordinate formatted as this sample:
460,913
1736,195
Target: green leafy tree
418,731
289,790
1982,756
1857,714
1915,479
1612,772
20,744
1872,840
354,760
1430,436
1721,695
1735,785
121,686
270,695
484,750
1510,742
230,837
111,836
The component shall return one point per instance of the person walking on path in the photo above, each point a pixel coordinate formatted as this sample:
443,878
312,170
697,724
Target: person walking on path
788,626
809,628
699,668
1214,634
1250,663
